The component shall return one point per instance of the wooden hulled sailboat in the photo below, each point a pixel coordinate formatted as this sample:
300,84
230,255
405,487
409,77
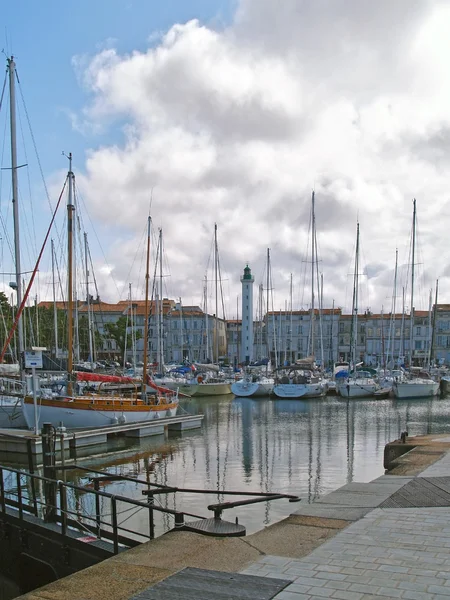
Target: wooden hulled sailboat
71,404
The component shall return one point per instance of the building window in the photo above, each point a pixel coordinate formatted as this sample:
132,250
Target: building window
417,330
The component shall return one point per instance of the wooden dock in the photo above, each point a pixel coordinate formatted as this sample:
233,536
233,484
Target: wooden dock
20,444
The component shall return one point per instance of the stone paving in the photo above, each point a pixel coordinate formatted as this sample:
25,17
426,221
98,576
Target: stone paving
383,553
389,553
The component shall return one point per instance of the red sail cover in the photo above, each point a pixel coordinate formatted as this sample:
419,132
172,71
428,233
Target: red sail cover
81,376
161,390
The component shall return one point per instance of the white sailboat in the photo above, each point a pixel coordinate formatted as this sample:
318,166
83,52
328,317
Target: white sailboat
418,382
358,384
303,380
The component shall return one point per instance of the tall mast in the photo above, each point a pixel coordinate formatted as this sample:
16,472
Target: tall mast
355,300
161,305
205,296
146,309
88,300
390,350
291,321
331,337
15,197
70,214
433,324
411,327
313,229
55,312
216,324
267,304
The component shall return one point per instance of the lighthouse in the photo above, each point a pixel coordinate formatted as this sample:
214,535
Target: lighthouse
247,280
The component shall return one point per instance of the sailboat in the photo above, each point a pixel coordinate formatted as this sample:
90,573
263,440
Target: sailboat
418,382
357,384
302,380
70,404
204,379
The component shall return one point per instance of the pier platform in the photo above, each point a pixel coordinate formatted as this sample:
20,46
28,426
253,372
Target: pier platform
23,443
350,545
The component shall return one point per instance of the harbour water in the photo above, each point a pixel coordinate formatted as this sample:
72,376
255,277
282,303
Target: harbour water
307,448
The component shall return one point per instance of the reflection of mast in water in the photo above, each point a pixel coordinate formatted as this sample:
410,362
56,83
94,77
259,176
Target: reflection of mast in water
319,452
310,459
350,440
247,441
227,448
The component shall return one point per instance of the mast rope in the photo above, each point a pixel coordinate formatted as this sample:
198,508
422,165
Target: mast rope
34,143
3,89
25,297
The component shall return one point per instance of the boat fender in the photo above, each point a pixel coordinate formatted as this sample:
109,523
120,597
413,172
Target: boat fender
199,379
114,421
122,419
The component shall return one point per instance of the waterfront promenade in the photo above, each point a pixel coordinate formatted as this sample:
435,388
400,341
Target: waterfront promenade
357,543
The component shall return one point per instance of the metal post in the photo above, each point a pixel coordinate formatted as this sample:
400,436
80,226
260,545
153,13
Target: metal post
97,508
48,456
32,480
63,507
114,525
19,495
33,379
2,491
151,517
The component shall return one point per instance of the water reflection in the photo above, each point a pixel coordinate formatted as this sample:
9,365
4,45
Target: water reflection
307,448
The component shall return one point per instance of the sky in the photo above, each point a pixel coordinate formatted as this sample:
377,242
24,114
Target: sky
231,112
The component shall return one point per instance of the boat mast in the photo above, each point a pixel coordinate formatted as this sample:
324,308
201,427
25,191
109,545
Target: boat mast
430,320
291,321
433,325
55,312
205,302
355,301
216,324
411,327
88,300
313,228
15,197
146,311
70,215
267,304
161,305
391,342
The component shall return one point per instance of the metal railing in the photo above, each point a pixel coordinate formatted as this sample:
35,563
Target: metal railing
58,502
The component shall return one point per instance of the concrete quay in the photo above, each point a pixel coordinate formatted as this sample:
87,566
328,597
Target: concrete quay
348,545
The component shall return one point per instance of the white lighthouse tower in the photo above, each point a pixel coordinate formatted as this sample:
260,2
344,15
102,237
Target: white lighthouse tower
247,281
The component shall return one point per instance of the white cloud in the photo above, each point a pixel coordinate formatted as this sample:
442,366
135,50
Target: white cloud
236,126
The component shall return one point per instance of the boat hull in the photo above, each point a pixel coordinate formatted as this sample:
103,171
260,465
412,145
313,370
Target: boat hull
251,389
289,390
74,415
416,390
356,390
200,389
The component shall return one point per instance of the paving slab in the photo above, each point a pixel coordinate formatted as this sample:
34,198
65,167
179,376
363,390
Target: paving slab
333,511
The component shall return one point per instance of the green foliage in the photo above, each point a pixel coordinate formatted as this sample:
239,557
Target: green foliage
118,332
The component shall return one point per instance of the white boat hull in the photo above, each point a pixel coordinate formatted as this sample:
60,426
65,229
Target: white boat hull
290,390
355,389
416,390
200,389
251,389
315,390
91,418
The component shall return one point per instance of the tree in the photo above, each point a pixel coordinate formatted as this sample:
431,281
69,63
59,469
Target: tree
118,332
